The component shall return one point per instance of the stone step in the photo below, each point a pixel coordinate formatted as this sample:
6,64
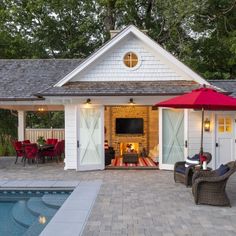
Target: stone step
22,215
54,200
37,207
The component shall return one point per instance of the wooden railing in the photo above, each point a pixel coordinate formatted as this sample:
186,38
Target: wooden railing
33,134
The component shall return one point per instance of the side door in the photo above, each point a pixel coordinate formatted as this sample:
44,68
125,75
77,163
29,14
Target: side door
224,139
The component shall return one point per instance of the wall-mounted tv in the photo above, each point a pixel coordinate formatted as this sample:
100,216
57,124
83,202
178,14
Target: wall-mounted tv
129,126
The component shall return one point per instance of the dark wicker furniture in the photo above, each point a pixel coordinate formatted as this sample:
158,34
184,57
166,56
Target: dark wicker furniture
130,157
109,155
209,188
186,177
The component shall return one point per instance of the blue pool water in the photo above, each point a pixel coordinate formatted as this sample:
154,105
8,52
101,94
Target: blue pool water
26,213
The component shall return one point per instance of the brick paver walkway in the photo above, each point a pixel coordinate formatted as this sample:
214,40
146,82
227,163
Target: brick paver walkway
138,202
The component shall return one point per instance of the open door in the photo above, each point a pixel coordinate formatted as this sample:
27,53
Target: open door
91,138
171,138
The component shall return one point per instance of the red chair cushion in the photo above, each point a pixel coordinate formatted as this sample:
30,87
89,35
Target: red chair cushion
31,151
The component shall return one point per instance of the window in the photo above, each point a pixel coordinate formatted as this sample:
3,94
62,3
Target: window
224,124
130,59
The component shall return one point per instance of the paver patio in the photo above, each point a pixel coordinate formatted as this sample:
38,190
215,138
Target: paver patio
137,202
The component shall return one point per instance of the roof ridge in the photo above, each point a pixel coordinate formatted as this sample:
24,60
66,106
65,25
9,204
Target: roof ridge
42,59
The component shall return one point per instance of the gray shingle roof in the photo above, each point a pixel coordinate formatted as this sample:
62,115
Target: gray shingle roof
21,79
227,85
119,88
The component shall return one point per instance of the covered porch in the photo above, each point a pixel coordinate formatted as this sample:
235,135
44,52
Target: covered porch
46,151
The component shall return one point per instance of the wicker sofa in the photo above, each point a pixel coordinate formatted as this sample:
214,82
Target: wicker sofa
209,188
186,177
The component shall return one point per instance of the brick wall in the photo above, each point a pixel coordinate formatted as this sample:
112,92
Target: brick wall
146,140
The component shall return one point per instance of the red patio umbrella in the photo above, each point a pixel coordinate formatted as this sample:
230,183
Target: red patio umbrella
201,99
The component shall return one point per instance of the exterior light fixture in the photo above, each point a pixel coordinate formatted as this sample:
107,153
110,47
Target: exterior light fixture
41,108
207,125
131,101
42,220
88,101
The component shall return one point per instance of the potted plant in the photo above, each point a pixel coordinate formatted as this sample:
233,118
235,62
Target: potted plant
41,141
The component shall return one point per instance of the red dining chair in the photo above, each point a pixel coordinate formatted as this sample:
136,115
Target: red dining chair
19,149
55,152
26,141
31,152
62,147
52,141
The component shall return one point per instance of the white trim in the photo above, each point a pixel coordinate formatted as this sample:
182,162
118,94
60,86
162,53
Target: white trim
138,64
160,138
186,133
21,125
151,43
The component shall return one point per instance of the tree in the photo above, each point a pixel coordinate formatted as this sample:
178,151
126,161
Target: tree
200,33
52,28
213,52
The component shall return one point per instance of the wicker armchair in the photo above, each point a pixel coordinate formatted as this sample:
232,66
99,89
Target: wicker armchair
186,177
209,188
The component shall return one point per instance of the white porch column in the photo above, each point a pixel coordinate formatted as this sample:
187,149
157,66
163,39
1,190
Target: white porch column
21,125
71,133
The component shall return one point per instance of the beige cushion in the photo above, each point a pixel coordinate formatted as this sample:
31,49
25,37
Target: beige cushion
154,153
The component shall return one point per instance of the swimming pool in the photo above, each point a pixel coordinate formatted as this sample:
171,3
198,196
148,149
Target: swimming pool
27,212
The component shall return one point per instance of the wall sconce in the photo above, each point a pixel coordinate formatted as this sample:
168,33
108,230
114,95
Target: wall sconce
88,101
131,101
207,125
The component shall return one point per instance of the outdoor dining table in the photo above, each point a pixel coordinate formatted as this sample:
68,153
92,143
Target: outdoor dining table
41,148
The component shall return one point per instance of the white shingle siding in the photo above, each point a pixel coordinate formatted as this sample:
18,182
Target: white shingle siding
70,137
194,134
110,66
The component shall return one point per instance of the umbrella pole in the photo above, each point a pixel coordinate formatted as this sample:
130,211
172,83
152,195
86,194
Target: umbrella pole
201,148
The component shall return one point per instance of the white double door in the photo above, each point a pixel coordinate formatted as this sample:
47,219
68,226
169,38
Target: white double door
90,137
224,138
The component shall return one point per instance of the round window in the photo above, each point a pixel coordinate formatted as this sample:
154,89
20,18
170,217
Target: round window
130,59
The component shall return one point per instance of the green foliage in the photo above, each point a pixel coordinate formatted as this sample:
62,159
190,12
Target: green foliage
8,124
41,140
6,148
54,119
200,33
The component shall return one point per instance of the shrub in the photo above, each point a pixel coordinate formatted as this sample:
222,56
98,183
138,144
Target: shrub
6,148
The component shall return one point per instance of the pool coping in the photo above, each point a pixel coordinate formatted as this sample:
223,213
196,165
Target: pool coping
72,216
37,184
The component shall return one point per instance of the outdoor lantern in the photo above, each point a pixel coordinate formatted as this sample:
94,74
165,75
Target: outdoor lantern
131,101
207,125
88,101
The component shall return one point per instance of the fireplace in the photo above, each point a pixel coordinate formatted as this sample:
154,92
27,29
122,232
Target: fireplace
129,147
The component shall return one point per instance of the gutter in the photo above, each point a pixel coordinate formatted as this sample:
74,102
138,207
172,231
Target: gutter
22,99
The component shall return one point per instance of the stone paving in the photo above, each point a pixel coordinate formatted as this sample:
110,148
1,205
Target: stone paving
138,202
